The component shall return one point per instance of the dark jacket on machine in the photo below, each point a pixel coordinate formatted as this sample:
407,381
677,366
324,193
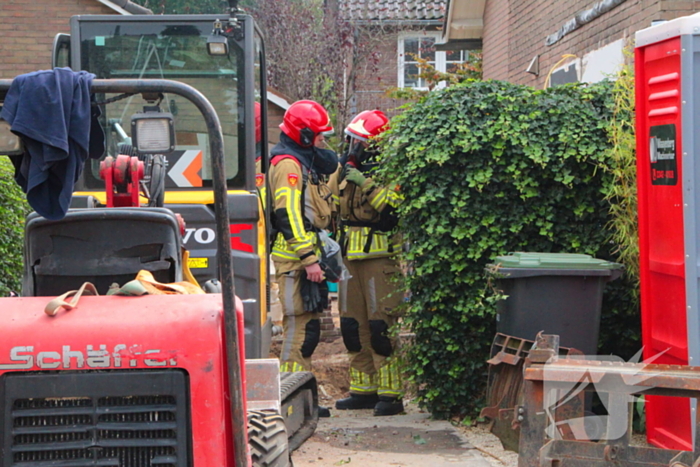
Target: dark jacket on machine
51,112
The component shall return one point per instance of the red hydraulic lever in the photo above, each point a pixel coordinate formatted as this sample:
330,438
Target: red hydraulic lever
122,176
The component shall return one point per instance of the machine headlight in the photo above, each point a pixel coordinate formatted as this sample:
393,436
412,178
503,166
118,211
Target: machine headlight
153,132
10,144
217,45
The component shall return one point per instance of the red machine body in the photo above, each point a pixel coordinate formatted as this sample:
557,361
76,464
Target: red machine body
157,332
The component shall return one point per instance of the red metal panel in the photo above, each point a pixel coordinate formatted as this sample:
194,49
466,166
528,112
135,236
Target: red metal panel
164,331
662,254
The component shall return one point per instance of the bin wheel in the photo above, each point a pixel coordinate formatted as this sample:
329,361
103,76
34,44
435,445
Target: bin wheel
267,437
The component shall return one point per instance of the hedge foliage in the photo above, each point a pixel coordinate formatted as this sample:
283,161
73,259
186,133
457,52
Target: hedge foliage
487,168
13,210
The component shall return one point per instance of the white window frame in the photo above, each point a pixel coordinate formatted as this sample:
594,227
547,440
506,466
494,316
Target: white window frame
440,60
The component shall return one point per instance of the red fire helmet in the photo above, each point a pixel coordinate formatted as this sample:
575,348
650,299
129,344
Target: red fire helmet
304,120
367,124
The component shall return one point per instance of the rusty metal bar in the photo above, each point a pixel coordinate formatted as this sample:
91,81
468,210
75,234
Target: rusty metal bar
587,454
505,384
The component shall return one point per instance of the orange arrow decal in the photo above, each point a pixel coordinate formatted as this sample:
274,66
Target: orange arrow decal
192,172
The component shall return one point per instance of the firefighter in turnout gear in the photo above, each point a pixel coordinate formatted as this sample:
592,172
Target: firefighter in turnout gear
302,207
367,312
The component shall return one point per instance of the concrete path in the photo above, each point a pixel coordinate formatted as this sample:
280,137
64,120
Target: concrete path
356,438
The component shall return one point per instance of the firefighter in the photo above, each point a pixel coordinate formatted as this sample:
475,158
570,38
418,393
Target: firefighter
302,206
367,311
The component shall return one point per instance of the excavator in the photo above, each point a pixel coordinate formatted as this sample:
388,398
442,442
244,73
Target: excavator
132,379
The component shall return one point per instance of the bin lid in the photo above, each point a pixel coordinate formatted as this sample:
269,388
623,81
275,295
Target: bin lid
521,264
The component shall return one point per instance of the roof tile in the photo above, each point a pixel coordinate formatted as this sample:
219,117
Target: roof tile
392,10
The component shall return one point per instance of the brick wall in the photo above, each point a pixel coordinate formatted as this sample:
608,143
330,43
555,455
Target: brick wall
515,31
495,40
28,28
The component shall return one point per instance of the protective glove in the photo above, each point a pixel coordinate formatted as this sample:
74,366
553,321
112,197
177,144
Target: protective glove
314,295
353,175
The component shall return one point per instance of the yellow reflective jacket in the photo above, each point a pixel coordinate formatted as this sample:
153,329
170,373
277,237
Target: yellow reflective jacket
362,212
301,206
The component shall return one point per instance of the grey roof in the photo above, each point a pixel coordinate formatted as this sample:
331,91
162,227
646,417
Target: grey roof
392,10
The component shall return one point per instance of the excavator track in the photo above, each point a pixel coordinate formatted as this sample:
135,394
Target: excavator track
299,394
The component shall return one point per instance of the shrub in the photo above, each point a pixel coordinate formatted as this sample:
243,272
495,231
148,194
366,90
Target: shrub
486,168
13,210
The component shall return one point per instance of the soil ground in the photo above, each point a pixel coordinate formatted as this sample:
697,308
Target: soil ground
412,439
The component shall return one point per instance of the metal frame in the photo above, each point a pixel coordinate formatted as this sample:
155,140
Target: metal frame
619,380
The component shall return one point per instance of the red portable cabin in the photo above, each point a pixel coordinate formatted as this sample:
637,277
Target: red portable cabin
666,64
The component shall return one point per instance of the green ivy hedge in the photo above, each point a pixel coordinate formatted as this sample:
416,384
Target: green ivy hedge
13,210
486,168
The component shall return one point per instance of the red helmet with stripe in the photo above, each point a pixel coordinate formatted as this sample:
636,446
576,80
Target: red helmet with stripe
367,124
304,121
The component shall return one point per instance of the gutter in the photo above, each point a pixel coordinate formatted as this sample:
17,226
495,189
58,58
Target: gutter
128,6
396,22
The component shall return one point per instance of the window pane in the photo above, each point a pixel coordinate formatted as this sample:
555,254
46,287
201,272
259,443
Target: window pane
452,67
410,76
427,48
454,55
410,46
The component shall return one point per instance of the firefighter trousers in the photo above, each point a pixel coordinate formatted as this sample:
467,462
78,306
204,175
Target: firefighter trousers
302,330
367,314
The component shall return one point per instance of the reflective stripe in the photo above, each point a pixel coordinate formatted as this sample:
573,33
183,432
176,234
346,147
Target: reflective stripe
291,367
302,239
381,197
357,238
390,379
295,219
393,199
283,252
378,201
362,383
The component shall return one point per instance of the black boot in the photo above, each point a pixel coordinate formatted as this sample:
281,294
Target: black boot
323,412
388,406
357,401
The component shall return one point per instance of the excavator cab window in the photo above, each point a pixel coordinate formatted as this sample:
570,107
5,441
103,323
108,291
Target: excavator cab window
177,50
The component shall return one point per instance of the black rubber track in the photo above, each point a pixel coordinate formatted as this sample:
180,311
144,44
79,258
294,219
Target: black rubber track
293,383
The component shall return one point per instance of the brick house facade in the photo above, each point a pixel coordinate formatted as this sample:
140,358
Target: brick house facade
513,33
386,24
28,30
